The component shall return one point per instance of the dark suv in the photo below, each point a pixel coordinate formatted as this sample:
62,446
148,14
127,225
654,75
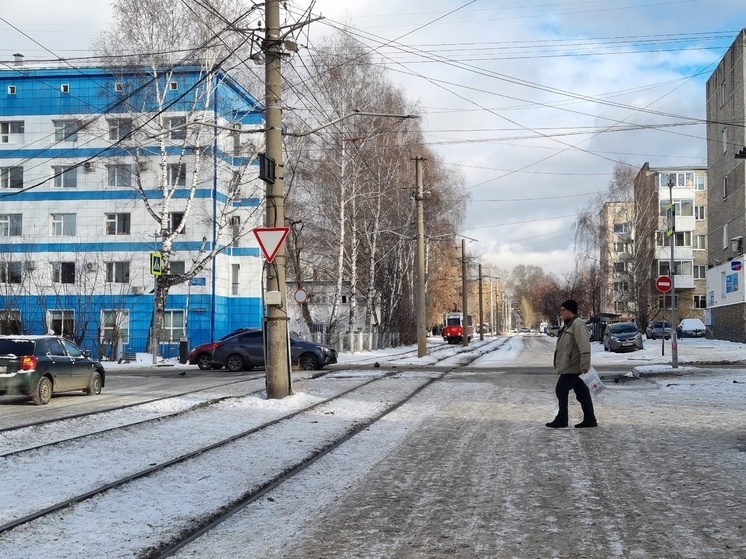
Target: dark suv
245,350
38,366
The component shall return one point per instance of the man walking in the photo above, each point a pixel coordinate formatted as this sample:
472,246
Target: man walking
572,358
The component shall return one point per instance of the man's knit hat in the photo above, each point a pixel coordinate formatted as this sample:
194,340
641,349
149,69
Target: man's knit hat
571,306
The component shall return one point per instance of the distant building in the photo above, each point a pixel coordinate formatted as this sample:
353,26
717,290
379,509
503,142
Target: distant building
726,136
688,195
617,259
78,149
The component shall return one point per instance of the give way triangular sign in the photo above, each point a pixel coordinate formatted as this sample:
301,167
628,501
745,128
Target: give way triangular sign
270,240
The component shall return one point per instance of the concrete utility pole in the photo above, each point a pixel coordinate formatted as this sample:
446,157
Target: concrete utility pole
672,272
464,296
481,307
420,291
276,325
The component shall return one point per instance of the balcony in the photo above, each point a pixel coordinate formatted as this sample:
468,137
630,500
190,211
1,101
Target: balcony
684,282
679,253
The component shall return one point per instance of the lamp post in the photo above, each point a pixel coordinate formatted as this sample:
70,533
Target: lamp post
672,271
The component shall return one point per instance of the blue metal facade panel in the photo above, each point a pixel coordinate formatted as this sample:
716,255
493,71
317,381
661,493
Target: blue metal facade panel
39,93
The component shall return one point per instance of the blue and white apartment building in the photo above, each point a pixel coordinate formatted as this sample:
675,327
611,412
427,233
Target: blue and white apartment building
84,155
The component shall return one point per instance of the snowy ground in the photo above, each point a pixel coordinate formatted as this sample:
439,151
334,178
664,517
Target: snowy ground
465,470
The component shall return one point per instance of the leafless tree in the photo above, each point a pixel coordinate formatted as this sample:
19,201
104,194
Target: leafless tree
149,43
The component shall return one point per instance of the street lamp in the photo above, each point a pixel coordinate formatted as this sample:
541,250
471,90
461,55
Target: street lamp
672,271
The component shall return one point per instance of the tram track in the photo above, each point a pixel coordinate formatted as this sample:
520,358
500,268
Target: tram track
410,387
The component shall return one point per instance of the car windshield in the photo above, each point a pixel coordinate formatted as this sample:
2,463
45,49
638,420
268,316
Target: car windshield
621,328
661,325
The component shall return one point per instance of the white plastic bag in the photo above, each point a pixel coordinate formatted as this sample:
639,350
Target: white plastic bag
593,381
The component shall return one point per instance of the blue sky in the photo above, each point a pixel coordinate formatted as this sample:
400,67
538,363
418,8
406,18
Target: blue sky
520,97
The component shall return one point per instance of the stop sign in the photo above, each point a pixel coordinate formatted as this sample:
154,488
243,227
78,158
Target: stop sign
663,283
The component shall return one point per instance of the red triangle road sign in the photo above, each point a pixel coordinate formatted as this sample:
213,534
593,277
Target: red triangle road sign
270,240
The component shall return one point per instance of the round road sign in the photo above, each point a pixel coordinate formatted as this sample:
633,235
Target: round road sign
663,283
301,296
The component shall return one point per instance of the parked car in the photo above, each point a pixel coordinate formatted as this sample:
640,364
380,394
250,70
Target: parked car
658,329
245,350
691,328
39,366
553,330
201,355
525,330
622,336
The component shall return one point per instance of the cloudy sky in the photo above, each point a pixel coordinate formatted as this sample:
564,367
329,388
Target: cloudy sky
534,101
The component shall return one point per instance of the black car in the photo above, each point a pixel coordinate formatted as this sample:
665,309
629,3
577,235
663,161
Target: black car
245,350
39,366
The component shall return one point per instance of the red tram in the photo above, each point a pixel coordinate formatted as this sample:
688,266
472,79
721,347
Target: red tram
453,327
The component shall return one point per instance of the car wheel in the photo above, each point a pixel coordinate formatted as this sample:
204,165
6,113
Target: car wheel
204,361
234,363
308,362
94,385
43,392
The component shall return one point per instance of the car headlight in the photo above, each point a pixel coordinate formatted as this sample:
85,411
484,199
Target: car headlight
614,338
326,351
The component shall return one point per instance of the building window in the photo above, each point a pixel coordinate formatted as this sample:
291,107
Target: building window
699,272
700,242
235,276
115,324
11,132
63,225
620,267
117,224
723,93
62,322
11,225
683,239
120,175
173,326
176,174
701,184
725,140
726,191
65,177
620,247
10,272
65,130
173,86
620,228
65,88
620,306
118,87
700,301
621,286
119,128
11,90
174,220
681,207
177,267
681,267
10,322
664,302
11,177
726,236
700,213
176,126
63,272
683,179
117,272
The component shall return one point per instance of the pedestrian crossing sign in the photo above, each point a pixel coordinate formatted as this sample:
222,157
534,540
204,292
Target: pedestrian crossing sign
156,263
